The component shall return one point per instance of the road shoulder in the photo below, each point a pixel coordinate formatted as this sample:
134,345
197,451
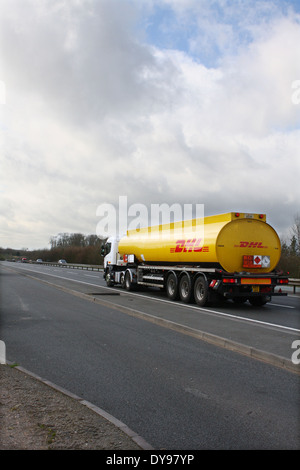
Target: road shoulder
37,415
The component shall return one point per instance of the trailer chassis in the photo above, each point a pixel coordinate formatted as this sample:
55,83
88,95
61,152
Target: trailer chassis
203,285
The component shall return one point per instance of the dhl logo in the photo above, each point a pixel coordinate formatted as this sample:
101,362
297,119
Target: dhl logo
188,246
250,245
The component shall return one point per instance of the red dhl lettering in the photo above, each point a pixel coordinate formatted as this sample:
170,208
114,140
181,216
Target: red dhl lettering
188,246
250,245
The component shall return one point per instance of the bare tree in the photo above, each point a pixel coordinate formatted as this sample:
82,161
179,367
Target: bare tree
295,229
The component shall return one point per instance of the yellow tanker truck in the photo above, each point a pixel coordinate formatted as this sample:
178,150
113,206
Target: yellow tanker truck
226,256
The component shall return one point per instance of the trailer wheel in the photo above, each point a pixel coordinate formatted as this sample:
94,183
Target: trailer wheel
201,291
258,301
172,286
240,300
185,288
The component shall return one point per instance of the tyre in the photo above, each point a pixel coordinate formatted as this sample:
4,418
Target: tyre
127,281
185,288
258,301
109,281
122,280
172,286
201,291
240,300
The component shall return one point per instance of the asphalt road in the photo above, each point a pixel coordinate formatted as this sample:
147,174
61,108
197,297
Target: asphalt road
154,373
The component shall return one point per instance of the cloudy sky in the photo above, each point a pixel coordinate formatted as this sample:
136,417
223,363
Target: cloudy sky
161,101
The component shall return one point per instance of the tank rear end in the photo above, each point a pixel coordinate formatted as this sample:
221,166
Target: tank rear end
248,244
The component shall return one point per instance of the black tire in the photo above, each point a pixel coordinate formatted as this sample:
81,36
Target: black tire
240,300
122,280
127,281
258,301
172,286
201,291
109,281
185,288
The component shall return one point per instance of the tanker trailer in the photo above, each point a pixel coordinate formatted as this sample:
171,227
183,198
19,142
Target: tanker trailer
226,256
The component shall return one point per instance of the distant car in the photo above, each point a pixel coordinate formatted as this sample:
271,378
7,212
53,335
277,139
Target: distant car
39,260
24,260
62,261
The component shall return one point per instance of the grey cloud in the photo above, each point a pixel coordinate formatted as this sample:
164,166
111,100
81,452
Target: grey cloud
82,61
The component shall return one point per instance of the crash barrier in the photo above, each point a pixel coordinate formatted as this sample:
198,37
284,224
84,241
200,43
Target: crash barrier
88,267
294,283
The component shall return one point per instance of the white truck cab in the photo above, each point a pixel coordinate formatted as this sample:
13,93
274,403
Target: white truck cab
110,252
111,255
114,264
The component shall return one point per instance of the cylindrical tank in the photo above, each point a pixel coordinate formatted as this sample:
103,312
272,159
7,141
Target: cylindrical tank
227,240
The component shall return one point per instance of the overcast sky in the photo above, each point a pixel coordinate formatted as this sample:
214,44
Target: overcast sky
169,101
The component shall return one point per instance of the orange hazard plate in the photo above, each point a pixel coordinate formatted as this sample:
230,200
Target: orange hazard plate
252,280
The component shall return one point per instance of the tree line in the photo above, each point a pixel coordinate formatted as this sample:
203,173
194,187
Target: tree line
290,250
74,239
75,248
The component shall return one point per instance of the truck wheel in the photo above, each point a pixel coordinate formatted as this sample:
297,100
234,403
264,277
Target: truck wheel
258,301
109,281
185,288
122,280
201,291
172,286
127,281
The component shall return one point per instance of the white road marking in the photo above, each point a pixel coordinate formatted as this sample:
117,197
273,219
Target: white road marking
284,306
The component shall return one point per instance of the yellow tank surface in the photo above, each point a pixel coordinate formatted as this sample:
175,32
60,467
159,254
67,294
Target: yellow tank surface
233,241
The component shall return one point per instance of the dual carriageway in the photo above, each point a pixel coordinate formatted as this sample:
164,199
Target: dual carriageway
180,375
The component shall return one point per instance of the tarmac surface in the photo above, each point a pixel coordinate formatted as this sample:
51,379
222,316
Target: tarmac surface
37,415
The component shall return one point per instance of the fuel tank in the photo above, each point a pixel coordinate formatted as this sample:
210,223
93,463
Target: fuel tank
235,242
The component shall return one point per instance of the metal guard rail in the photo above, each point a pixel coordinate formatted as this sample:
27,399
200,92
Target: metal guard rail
88,267
294,283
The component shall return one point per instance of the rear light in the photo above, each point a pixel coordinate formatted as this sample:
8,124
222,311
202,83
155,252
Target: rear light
282,281
229,280
261,216
237,214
